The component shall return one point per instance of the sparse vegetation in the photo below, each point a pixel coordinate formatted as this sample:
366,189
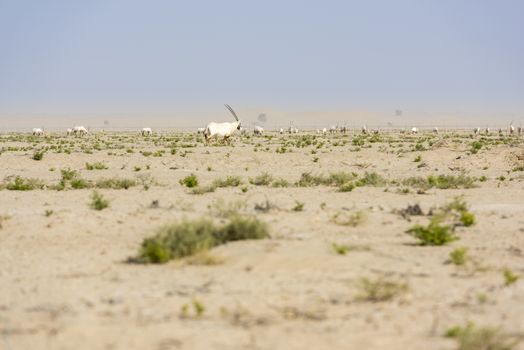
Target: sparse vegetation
509,277
471,337
96,166
263,179
98,202
190,237
435,233
189,181
380,289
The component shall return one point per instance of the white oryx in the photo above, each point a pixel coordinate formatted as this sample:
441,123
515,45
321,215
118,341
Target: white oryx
281,131
364,129
224,130
324,131
414,130
487,130
38,132
476,131
435,130
69,132
511,129
258,130
80,131
146,132
333,129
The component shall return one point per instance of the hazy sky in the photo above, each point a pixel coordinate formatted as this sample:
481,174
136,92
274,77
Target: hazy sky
184,58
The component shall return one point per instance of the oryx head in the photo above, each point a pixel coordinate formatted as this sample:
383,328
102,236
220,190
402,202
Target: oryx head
234,115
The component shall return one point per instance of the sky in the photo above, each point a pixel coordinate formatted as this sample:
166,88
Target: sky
178,62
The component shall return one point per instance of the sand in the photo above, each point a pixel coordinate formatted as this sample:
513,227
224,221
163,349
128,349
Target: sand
65,282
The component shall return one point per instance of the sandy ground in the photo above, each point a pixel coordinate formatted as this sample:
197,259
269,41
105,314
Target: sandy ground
65,282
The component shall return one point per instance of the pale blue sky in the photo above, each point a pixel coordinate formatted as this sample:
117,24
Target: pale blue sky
460,57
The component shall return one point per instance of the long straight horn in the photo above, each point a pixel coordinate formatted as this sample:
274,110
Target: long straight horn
232,111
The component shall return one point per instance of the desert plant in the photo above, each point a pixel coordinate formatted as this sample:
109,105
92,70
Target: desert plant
435,233
98,202
38,155
263,179
299,206
458,256
190,237
471,337
380,289
509,277
229,181
24,184
203,189
116,183
96,166
189,181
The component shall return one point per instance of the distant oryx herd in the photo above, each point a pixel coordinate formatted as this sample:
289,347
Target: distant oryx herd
225,130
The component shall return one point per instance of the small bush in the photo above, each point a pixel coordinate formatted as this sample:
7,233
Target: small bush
116,183
38,155
230,181
24,184
509,277
203,189
347,187
451,181
340,249
380,290
371,179
471,337
96,166
68,174
299,206
263,179
191,237
475,147
467,218
433,234
189,181
458,256
98,202
79,183
280,183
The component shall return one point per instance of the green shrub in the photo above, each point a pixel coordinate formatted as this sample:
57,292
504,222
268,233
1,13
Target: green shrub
96,166
458,256
433,234
509,277
24,184
471,337
475,147
299,206
79,183
203,189
280,183
189,181
371,179
263,179
230,181
191,237
347,187
451,181
38,155
467,218
116,183
380,290
98,202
